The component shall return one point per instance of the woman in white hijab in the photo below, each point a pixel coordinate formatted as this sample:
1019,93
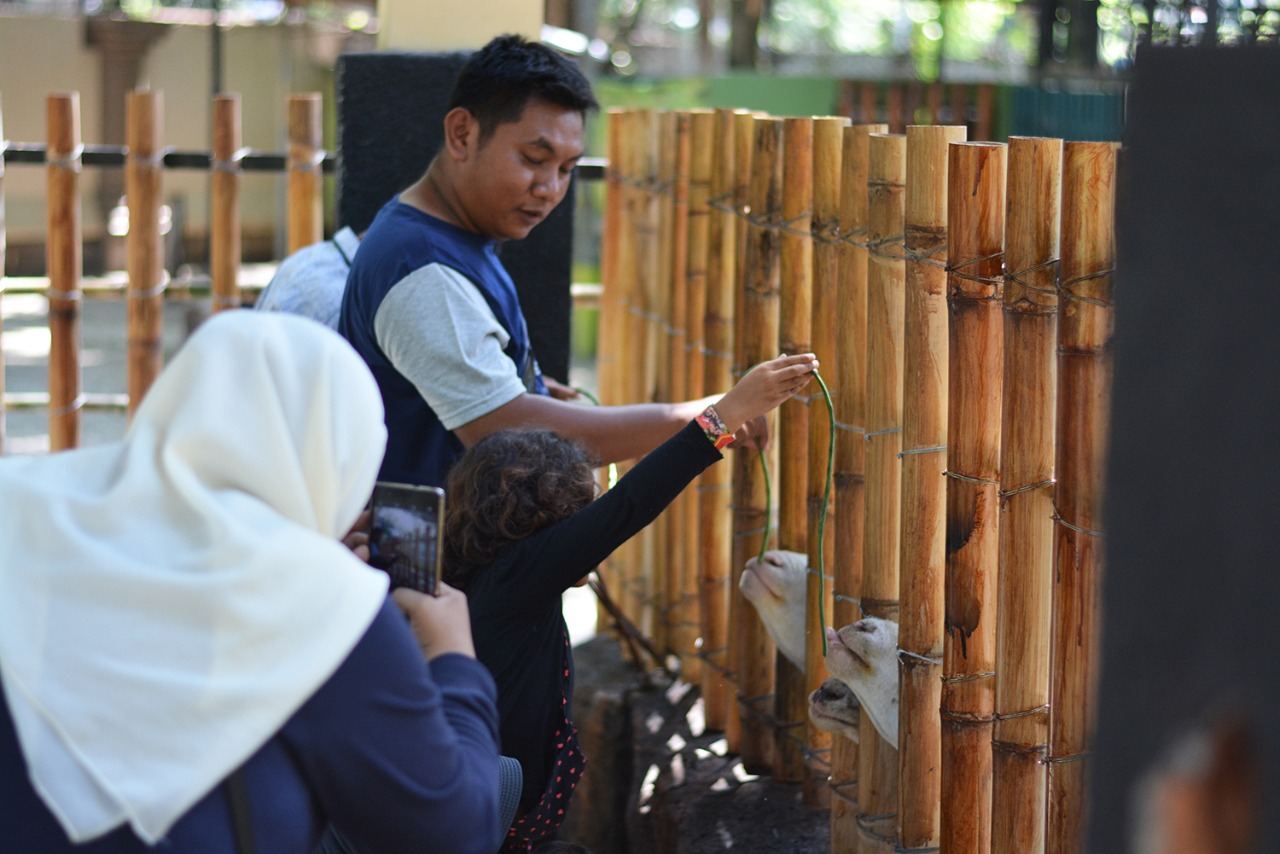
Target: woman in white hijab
177,606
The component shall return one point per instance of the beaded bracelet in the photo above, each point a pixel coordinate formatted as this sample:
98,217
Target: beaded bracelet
711,424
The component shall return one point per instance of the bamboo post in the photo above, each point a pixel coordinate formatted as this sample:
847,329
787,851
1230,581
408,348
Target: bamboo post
610,334
1020,738
796,271
828,140
922,566
144,251
305,157
224,226
623,282
2,252
850,402
648,261
702,135
64,264
682,546
1085,327
744,140
886,271
754,661
975,246
665,576
714,519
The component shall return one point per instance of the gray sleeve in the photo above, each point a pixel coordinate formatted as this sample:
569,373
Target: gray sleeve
437,330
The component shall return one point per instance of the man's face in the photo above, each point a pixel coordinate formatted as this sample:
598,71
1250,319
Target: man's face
517,176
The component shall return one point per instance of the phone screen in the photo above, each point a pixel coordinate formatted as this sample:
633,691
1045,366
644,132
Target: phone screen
404,538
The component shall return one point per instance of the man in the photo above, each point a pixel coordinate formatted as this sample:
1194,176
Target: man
310,281
429,305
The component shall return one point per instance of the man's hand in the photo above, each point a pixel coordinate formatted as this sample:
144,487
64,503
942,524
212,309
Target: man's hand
751,435
560,391
440,623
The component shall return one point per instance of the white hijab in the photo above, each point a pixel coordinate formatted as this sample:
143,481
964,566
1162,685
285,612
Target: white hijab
168,602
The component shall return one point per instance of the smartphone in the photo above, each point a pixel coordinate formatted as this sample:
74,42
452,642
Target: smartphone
404,537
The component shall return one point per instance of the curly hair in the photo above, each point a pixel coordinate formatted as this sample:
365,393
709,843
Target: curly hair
509,485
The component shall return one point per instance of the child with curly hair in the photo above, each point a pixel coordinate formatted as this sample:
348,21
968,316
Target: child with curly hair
522,526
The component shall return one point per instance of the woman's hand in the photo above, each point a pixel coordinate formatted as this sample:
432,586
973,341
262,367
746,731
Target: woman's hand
357,539
440,623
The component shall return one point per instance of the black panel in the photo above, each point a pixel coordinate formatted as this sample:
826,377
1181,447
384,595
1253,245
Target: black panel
390,108
1191,596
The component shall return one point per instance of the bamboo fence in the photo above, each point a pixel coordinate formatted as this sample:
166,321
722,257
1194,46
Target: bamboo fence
2,260
144,253
306,154
146,284
851,450
1026,495
64,266
975,245
886,271
224,225
759,310
697,230
1085,327
923,459
828,144
796,271
715,522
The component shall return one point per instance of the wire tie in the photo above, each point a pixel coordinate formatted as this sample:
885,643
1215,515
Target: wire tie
1006,494
76,404
968,479
850,428
1004,716
69,161
868,436
1088,532
65,296
905,654
1071,757
968,677
935,449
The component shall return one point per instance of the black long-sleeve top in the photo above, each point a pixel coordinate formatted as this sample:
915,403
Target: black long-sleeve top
516,619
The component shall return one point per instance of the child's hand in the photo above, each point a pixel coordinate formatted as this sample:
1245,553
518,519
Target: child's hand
440,623
765,387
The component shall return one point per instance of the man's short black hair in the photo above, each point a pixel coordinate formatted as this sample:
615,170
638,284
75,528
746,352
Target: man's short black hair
499,79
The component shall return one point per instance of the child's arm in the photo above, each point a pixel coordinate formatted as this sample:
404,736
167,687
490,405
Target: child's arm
571,549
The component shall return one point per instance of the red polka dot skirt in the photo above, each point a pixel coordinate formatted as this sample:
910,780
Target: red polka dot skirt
543,820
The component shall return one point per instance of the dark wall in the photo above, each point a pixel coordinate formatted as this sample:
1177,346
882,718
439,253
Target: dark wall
1191,596
390,108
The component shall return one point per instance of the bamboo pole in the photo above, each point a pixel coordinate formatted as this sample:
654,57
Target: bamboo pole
144,251
828,141
616,264
922,565
714,519
1085,327
754,662
886,271
2,253
224,226
623,173
682,545
665,576
306,154
975,245
1020,738
850,402
64,263
796,271
702,128
744,132
648,261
